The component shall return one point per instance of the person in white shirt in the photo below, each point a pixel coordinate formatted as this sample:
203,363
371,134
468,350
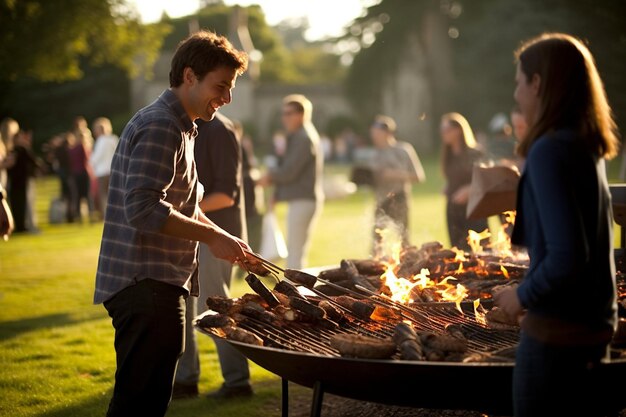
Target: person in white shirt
100,160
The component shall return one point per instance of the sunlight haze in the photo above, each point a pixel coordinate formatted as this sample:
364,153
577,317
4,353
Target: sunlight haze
322,23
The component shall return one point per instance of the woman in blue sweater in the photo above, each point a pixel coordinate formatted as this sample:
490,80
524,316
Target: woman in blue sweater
567,301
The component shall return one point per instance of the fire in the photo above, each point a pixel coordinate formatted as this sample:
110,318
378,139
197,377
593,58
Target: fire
402,289
474,239
479,312
504,271
436,282
453,293
499,240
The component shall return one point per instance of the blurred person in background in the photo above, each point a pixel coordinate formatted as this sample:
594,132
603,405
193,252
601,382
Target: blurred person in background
6,217
459,154
80,173
500,141
8,130
218,157
395,167
254,197
101,157
298,177
519,124
23,166
565,219
520,127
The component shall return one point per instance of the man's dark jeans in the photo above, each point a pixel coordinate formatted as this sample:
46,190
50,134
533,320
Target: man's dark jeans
149,322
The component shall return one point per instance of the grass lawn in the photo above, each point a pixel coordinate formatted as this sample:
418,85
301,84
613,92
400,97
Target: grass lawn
56,347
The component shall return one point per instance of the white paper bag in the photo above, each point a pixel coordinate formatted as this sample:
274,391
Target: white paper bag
273,246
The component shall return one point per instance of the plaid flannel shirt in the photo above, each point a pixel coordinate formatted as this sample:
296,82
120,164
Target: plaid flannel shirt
152,173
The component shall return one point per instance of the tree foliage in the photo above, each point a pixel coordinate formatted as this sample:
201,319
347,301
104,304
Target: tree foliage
286,56
483,36
47,39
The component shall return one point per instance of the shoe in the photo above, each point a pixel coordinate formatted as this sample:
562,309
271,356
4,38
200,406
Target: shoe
184,391
231,392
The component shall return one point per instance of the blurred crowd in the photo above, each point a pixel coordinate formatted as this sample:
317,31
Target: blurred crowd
81,159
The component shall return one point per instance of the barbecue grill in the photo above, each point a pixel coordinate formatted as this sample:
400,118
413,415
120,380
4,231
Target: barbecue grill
301,352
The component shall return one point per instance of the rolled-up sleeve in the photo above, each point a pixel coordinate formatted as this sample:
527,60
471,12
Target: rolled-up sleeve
151,169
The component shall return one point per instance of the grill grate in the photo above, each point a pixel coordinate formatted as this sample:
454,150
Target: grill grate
312,339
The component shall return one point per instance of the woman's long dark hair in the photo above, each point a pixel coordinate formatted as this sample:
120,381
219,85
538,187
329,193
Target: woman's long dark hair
571,93
469,141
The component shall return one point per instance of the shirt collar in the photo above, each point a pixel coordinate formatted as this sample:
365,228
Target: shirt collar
172,101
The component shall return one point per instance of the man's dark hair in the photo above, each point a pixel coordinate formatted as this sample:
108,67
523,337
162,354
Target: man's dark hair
204,52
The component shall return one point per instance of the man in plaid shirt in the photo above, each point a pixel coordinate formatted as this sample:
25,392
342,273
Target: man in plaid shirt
148,255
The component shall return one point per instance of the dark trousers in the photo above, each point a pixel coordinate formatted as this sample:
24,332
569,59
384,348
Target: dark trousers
149,322
553,380
17,200
459,224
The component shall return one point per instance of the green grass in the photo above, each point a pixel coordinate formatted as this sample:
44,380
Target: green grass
56,347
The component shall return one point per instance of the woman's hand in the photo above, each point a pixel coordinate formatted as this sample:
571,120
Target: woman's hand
461,196
507,299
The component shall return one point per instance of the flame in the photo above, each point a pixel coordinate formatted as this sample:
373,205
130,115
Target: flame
384,314
479,312
499,240
509,217
428,285
460,255
504,271
474,238
454,293
400,287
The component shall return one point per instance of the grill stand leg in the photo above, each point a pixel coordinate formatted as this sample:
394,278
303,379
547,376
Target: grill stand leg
285,396
318,398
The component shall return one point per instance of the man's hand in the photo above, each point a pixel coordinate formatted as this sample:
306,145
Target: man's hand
226,246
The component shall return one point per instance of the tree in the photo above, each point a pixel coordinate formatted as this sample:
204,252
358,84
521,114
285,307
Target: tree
483,36
46,39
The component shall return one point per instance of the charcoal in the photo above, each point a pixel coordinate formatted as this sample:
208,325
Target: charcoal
369,266
443,254
431,247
